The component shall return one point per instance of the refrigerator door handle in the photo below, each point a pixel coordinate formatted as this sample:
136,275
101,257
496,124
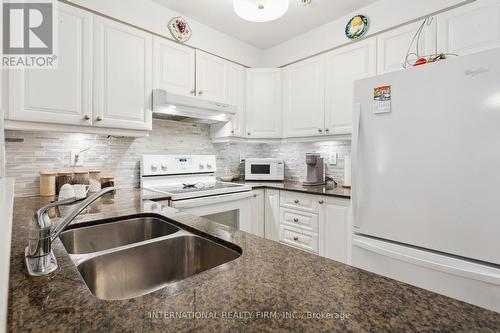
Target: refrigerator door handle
354,159
430,260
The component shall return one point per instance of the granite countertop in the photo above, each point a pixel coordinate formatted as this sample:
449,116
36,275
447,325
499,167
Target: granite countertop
248,294
6,203
337,191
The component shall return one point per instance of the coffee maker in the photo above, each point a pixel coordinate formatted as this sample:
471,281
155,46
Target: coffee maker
315,170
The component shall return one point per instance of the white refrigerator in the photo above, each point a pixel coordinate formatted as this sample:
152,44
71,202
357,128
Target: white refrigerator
426,177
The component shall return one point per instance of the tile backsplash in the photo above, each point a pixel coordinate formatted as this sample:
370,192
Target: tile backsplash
28,153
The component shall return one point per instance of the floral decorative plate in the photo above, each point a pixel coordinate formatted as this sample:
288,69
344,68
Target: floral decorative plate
180,29
356,27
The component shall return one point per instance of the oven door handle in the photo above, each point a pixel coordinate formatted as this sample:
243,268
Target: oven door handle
190,203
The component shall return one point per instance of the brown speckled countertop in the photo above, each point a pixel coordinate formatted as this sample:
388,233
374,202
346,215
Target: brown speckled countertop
255,289
337,191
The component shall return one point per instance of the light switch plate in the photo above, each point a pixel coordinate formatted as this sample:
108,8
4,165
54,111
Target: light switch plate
333,159
73,160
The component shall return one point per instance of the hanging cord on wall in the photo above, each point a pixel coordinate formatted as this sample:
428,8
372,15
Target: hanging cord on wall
416,42
77,155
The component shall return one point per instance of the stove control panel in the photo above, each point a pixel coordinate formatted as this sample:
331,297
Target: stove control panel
158,165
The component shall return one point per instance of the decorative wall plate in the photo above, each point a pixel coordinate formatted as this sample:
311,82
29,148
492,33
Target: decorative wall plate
356,27
180,29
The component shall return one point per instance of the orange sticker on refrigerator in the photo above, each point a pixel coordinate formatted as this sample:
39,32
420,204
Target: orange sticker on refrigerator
382,99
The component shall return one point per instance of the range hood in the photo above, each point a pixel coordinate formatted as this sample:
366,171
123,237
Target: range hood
190,109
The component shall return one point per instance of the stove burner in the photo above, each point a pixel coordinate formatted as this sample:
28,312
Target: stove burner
193,185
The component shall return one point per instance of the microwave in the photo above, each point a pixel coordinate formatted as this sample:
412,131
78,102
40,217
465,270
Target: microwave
264,169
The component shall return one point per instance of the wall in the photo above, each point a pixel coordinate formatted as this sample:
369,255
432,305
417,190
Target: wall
292,153
154,17
383,15
28,153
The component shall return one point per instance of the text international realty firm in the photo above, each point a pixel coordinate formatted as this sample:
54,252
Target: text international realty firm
236,315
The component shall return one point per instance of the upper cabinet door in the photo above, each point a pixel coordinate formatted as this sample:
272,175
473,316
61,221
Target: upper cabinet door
238,98
471,28
173,67
304,98
264,97
393,46
343,67
236,95
61,95
122,76
211,77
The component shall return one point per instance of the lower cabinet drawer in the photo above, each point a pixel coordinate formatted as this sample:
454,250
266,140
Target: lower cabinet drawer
301,220
300,201
299,239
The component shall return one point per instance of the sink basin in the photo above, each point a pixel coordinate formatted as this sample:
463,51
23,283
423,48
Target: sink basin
144,268
115,234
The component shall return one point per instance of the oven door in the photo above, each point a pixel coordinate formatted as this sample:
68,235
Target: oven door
233,209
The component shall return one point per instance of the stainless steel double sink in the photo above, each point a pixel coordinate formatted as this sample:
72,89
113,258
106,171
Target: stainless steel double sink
131,257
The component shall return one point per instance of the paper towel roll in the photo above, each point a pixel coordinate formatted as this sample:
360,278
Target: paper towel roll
347,171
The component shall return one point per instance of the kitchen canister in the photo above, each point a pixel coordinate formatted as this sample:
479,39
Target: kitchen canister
63,178
81,178
47,184
95,180
107,181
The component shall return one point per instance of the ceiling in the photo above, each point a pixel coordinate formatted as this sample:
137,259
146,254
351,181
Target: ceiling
219,15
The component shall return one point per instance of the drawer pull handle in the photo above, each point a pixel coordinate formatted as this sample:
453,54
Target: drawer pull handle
295,220
296,201
295,238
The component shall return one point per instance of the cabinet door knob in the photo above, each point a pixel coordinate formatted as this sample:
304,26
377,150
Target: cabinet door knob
86,117
295,220
320,130
296,201
249,133
98,118
295,238
321,202
232,132
193,92
255,195
200,93
327,130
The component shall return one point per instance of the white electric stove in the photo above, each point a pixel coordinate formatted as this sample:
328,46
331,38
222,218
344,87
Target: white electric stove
189,182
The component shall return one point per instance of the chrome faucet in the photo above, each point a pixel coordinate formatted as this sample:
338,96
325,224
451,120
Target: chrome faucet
38,255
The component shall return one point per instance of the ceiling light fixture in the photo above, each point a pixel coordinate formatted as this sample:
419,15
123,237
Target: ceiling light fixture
260,10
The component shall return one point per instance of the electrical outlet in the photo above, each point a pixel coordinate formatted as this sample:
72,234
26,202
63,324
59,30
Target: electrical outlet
333,159
242,158
76,160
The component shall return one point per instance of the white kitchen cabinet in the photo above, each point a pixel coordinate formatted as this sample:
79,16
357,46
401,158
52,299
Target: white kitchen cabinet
335,232
393,45
264,96
237,96
122,76
343,67
211,78
272,214
304,98
470,28
62,95
173,67
258,213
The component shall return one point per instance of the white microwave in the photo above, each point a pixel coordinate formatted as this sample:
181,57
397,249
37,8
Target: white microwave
264,169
